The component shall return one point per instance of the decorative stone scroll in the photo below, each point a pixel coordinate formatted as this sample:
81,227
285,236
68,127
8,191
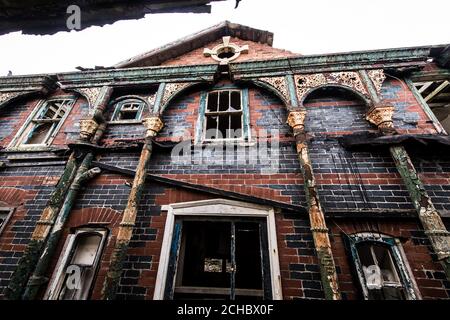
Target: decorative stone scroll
279,84
307,82
172,89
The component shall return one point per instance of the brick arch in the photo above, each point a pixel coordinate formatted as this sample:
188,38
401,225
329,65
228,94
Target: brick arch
98,215
358,94
13,196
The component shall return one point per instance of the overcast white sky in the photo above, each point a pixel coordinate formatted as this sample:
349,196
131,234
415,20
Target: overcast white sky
302,26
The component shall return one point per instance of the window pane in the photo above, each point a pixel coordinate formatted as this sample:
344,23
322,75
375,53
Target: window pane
235,100
236,126
3,216
365,254
212,102
39,133
206,242
211,127
224,101
248,256
86,250
385,263
224,124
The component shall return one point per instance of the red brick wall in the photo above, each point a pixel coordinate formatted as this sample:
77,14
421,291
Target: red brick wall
257,51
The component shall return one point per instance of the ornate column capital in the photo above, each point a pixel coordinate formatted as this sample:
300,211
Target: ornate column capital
381,116
296,119
153,125
87,128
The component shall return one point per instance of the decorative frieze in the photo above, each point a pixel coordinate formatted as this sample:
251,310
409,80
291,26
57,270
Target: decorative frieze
91,94
172,89
305,83
279,84
153,126
377,76
6,96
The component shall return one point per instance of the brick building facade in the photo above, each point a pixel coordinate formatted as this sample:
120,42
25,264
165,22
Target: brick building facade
220,167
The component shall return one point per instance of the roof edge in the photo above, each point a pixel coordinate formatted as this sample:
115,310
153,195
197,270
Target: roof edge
195,41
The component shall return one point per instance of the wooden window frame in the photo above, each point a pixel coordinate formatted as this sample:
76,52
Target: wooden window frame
120,104
9,214
57,280
200,134
211,209
27,128
397,254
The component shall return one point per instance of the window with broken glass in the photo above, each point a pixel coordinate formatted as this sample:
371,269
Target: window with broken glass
224,259
381,268
128,110
45,123
76,270
436,94
224,115
5,215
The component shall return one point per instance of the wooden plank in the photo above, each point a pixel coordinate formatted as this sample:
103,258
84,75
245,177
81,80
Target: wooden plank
436,91
425,86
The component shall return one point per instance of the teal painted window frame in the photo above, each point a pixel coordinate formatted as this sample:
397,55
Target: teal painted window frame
400,262
20,138
201,120
119,105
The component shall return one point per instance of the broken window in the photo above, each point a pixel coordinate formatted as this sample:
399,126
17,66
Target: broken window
381,268
224,115
437,95
77,268
129,109
44,125
221,259
5,215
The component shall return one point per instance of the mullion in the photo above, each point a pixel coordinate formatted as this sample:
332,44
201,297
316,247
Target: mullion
233,262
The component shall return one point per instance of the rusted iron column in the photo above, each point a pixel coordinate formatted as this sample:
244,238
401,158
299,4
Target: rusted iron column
380,114
296,120
73,172
153,125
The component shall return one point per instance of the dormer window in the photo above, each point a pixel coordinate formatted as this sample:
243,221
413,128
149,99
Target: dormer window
128,110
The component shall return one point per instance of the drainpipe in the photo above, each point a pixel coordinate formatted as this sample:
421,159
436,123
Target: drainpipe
380,114
153,125
296,120
47,232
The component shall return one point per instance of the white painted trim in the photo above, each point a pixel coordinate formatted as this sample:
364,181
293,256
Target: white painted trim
55,282
218,208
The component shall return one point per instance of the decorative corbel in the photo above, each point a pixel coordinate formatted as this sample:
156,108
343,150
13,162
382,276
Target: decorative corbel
296,120
153,125
88,127
381,116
